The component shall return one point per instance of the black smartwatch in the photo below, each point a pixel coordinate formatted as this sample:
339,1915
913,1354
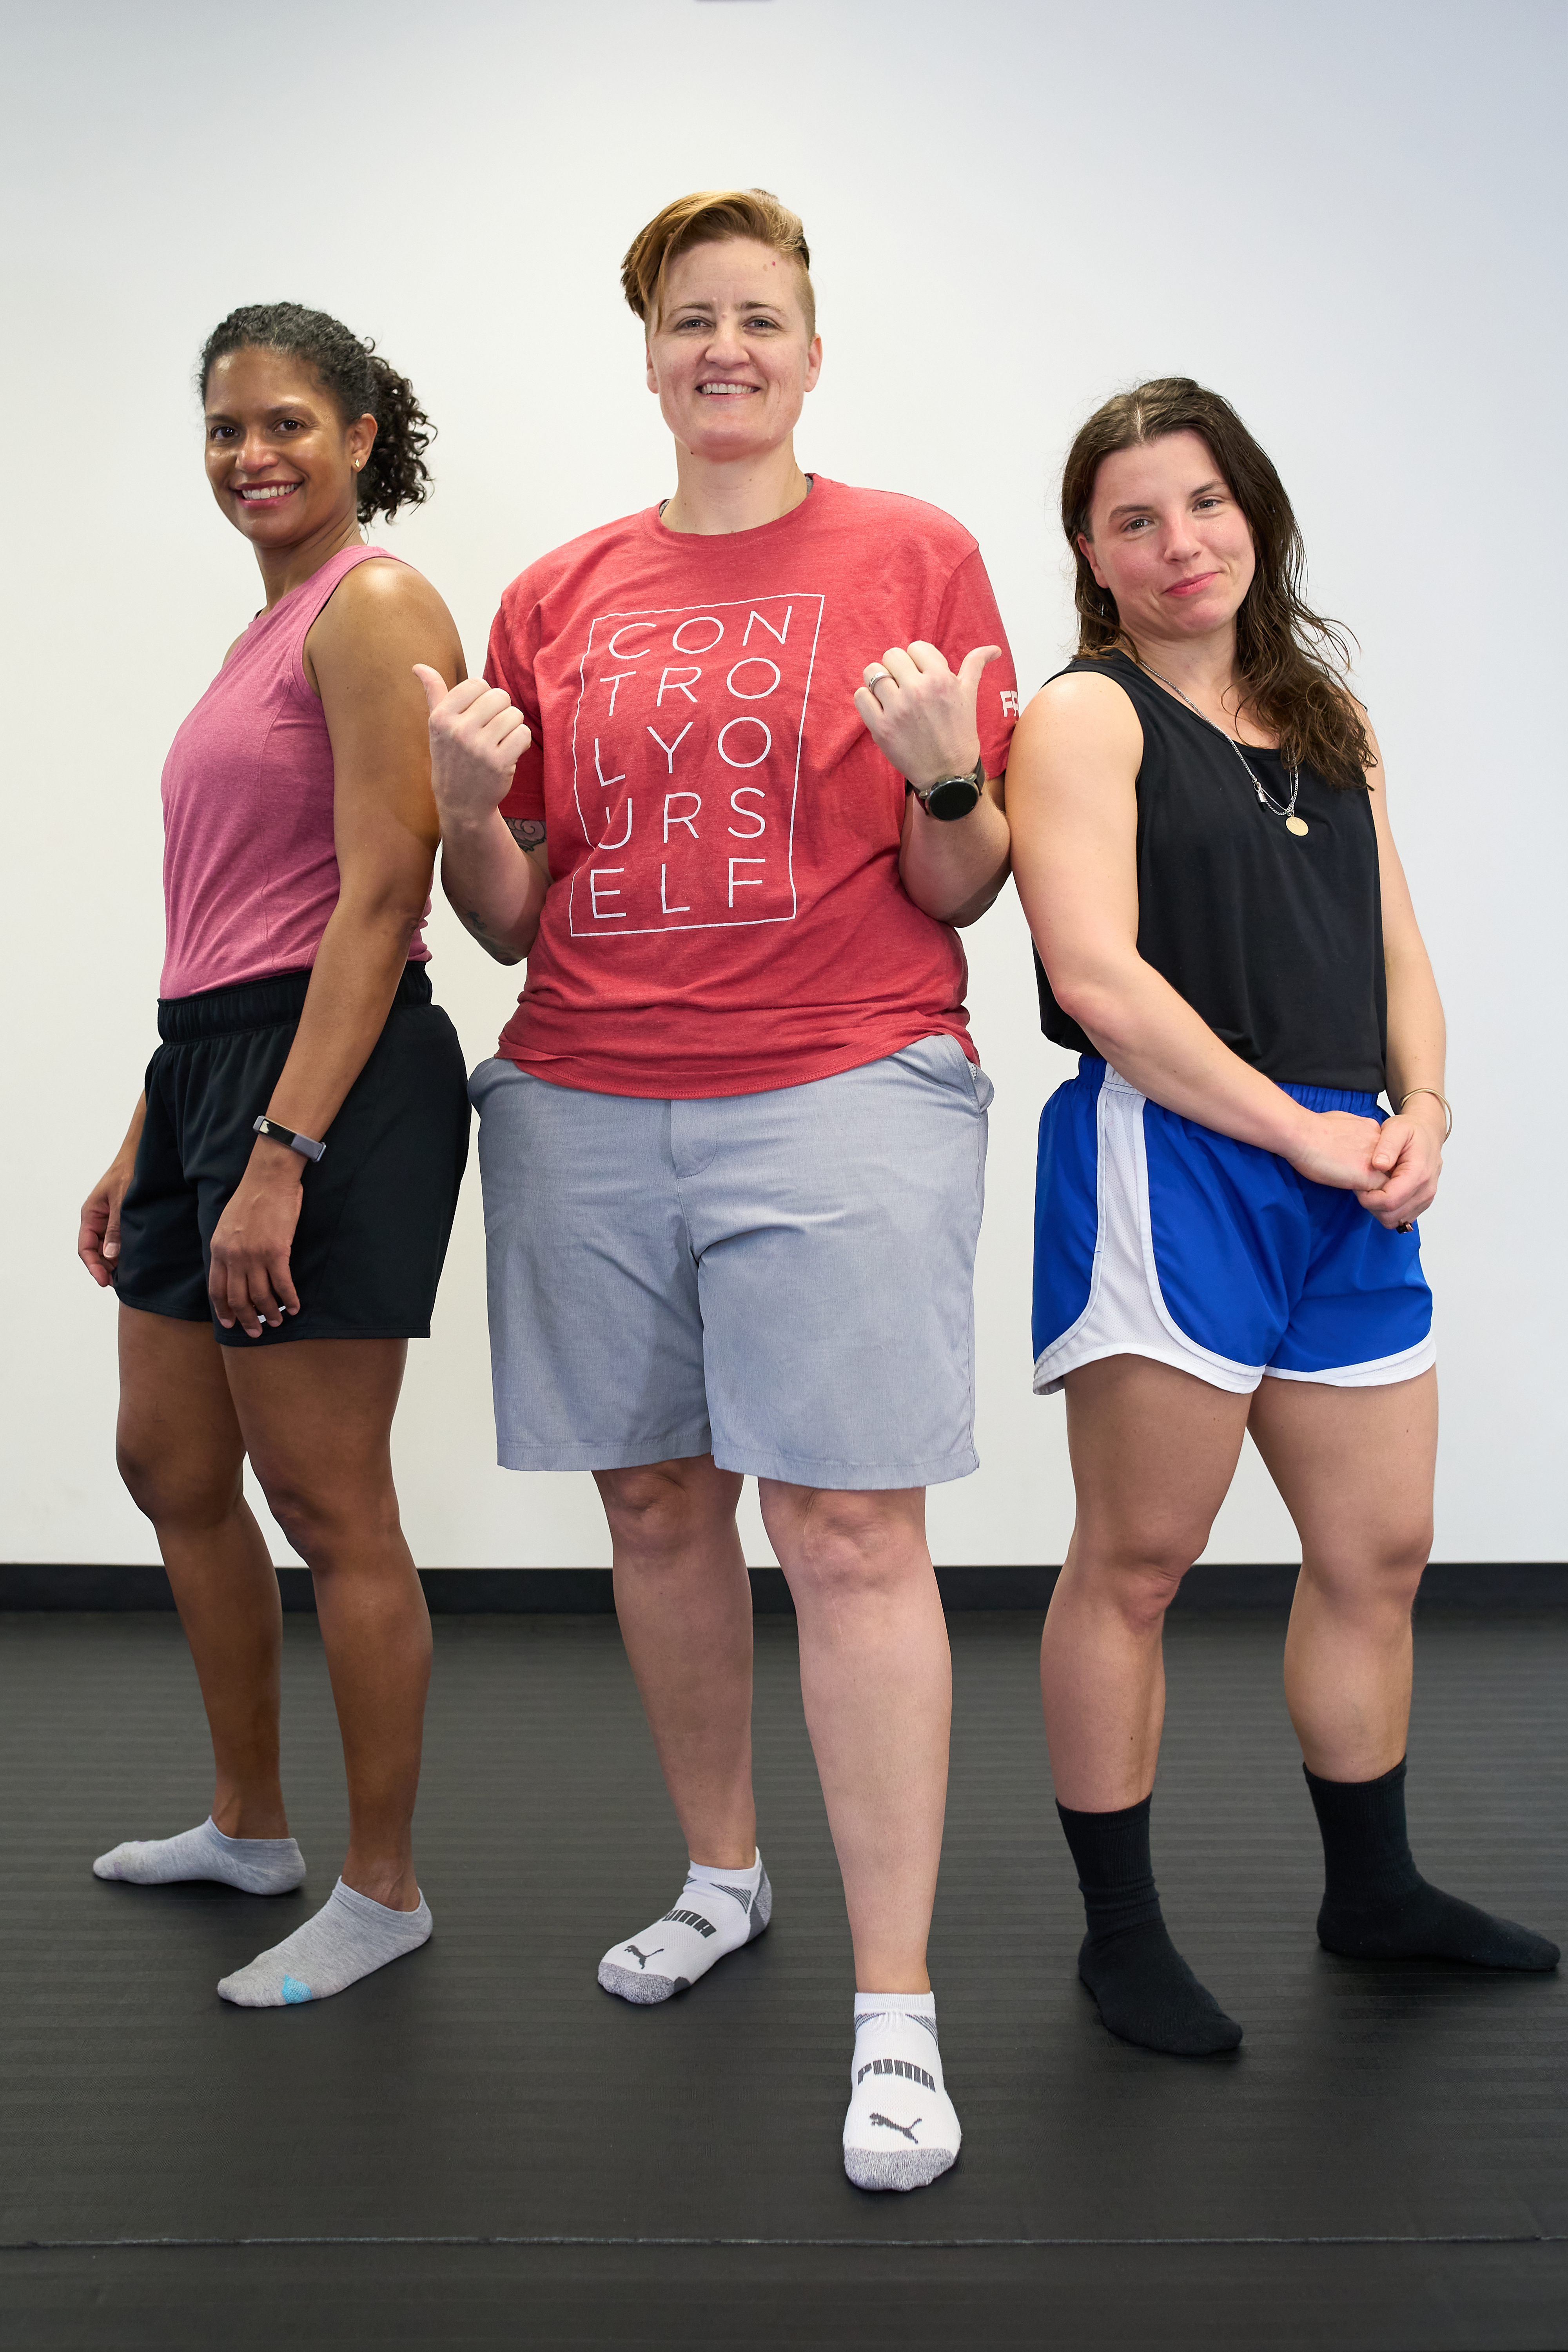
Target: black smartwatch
952,797
305,1145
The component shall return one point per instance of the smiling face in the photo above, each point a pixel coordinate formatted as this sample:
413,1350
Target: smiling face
280,457
1168,540
729,354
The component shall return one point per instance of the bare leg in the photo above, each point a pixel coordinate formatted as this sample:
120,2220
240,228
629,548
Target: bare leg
1153,1450
182,1457
684,1601
316,1415
1355,1467
1153,1453
877,1680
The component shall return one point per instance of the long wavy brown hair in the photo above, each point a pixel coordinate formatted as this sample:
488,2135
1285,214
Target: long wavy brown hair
1292,659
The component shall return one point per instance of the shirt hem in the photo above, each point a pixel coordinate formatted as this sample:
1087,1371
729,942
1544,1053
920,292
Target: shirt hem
583,1077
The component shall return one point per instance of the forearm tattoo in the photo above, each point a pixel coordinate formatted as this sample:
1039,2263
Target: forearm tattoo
529,833
473,924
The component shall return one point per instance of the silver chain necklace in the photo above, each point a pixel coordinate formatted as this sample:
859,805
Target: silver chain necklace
1293,823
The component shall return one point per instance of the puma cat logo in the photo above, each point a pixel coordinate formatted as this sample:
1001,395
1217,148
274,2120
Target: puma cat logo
908,2129
642,1958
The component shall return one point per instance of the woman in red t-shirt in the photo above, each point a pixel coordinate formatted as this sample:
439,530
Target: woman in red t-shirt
733,1140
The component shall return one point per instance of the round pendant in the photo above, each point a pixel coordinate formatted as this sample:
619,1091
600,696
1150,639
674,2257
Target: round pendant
1296,824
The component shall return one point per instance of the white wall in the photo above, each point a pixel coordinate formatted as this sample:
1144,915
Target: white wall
1340,215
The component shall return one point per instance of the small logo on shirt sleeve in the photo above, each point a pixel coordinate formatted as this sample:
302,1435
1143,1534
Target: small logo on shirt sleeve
1009,702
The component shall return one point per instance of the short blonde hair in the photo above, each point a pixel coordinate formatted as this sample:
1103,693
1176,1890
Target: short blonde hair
709,217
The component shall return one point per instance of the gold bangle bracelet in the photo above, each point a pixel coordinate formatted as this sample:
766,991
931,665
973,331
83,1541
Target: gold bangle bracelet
1447,1105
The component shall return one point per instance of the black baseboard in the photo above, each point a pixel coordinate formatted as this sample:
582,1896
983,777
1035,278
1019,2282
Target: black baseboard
536,1591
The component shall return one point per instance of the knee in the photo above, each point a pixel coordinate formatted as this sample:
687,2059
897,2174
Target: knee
655,1513
173,1488
1145,1590
1140,1574
1377,1576
324,1524
840,1546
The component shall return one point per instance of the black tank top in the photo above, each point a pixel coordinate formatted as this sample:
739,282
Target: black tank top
1274,938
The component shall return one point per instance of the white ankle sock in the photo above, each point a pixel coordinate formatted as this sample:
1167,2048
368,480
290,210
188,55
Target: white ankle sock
255,1865
901,2131
349,1937
716,1912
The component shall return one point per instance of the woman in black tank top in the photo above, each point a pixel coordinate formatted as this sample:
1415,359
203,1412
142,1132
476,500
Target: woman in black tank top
1226,1220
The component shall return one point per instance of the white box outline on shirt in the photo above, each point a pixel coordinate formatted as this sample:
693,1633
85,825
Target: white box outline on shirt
662,612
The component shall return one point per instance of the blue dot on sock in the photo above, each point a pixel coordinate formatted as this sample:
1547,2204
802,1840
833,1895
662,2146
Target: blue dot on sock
294,1990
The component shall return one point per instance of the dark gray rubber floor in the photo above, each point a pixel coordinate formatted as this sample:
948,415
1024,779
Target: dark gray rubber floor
479,2148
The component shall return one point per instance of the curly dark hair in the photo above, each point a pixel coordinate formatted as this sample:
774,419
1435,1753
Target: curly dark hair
1293,659
359,383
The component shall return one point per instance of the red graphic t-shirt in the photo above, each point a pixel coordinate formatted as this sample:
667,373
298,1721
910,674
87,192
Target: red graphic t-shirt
725,912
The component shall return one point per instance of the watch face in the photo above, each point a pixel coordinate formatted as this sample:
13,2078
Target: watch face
952,799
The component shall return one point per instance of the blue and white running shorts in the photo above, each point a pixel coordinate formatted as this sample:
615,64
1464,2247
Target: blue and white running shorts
1154,1236
784,1279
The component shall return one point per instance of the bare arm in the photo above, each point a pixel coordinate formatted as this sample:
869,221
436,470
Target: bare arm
1073,807
1410,1149
98,1234
920,715
360,654
956,872
477,739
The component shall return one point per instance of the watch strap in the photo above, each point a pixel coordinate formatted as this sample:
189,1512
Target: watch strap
306,1145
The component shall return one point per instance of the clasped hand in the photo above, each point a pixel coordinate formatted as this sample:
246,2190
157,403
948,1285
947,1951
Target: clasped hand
920,714
1392,1168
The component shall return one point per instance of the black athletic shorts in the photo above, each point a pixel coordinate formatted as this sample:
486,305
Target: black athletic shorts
378,1206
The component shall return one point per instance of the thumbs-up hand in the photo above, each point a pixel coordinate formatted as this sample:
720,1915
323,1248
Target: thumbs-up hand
920,714
477,739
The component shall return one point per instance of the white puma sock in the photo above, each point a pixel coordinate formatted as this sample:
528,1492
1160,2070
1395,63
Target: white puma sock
901,2131
349,1937
716,1912
255,1865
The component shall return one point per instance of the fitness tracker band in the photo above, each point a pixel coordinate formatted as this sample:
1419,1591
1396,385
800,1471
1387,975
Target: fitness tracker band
952,797
308,1147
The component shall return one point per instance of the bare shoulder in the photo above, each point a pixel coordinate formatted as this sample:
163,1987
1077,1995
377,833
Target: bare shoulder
378,595
379,621
1079,714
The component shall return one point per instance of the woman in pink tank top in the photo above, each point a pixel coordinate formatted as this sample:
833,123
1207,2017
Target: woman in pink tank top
276,1220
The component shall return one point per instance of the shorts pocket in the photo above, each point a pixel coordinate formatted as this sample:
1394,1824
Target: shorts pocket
941,1057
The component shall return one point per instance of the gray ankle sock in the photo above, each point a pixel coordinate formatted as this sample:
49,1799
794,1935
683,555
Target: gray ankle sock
349,1937
255,1865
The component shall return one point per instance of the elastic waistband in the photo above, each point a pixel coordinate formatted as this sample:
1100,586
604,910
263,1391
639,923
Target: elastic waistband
1310,1098
260,1004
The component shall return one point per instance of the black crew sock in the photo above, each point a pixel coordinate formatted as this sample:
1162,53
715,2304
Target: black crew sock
1146,1989
1376,1904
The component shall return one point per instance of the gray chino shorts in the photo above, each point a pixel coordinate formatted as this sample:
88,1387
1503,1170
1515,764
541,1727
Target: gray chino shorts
784,1280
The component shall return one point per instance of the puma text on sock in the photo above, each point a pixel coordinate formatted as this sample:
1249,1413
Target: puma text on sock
1146,1990
1376,1904
349,1937
255,1865
716,1912
901,2131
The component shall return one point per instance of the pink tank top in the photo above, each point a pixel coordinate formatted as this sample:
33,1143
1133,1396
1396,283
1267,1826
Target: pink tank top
250,865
